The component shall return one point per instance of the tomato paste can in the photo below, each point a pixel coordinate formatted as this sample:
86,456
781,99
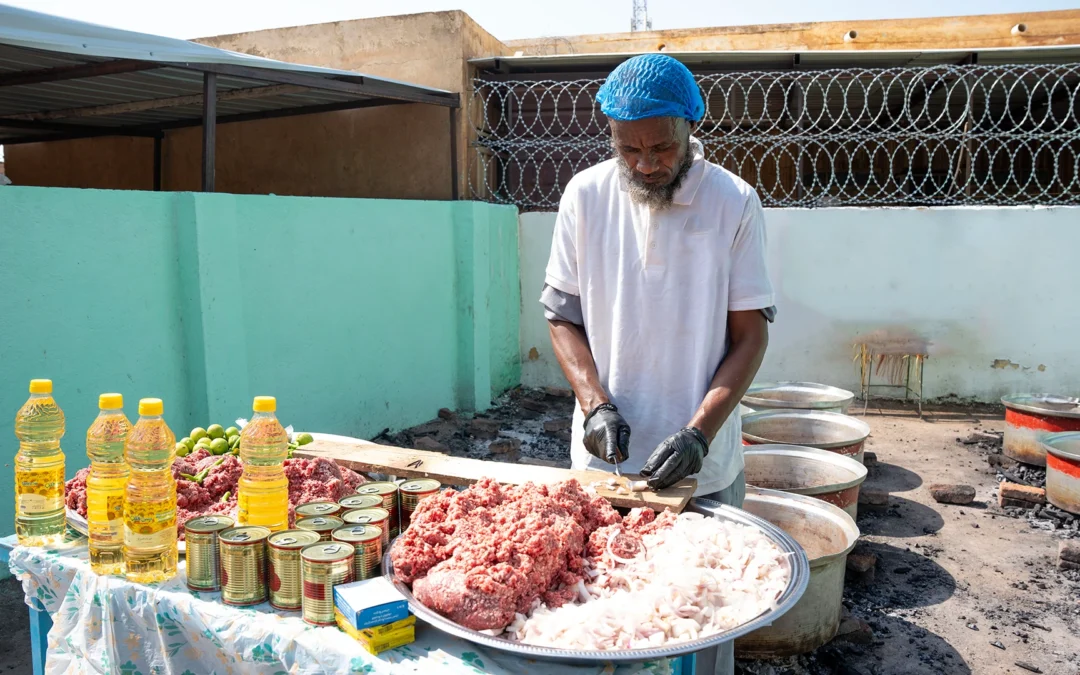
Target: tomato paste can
243,565
367,540
380,518
321,525
323,566
283,553
312,509
203,557
412,491
360,502
389,493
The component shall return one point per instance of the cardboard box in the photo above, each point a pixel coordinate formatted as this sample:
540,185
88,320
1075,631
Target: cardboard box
381,638
370,603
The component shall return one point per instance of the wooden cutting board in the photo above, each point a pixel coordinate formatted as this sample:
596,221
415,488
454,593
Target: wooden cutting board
405,463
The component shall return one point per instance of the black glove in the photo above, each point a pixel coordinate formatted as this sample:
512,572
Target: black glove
607,435
679,456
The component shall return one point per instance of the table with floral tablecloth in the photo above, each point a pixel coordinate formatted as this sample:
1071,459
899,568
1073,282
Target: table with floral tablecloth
108,625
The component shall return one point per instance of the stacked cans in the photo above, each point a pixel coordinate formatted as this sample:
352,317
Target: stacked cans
378,517
389,493
323,566
243,565
353,502
412,491
286,586
321,525
367,540
203,556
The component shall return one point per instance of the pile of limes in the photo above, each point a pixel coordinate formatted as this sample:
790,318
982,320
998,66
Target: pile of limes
219,441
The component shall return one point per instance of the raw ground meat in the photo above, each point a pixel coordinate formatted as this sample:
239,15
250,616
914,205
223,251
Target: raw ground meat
309,480
482,555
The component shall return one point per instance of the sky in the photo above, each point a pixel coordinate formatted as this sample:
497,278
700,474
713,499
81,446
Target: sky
505,19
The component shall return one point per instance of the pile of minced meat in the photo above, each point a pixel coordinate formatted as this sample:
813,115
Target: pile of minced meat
556,565
310,480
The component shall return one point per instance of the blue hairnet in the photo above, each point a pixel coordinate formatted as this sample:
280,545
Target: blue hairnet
651,85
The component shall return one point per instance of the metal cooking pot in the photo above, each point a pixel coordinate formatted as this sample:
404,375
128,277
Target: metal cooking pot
1029,417
827,534
800,470
1063,470
817,429
798,396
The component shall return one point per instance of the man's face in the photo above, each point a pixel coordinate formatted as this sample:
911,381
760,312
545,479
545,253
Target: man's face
654,157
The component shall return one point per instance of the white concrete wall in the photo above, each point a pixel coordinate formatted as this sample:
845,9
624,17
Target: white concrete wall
992,291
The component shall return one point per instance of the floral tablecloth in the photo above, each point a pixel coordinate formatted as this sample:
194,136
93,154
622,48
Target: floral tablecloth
108,625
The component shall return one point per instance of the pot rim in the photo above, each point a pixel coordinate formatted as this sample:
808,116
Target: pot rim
848,421
1035,403
1049,443
839,398
817,455
834,513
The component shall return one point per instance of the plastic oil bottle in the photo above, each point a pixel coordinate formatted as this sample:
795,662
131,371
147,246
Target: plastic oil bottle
150,498
39,469
106,483
263,493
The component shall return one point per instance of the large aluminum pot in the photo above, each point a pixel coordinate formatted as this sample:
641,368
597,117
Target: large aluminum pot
798,396
827,534
807,471
1063,470
1029,417
817,429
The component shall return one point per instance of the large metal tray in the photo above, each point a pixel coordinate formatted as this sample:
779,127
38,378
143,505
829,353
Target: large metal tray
799,575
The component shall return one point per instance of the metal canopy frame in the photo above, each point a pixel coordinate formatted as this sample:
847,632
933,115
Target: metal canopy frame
73,111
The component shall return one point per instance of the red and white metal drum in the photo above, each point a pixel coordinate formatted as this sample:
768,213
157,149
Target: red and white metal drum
1029,417
1063,470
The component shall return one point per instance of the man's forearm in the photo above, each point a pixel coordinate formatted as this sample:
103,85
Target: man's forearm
575,357
749,339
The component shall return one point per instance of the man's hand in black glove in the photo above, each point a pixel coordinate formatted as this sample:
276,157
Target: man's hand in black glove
679,456
607,435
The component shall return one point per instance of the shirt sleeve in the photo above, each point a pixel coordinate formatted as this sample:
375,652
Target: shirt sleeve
562,268
560,306
749,284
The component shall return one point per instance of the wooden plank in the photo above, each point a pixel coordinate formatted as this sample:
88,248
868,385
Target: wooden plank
405,463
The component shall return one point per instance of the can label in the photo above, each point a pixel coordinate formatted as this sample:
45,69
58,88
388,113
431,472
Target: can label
40,490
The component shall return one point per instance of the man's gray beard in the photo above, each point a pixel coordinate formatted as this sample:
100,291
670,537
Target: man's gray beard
658,197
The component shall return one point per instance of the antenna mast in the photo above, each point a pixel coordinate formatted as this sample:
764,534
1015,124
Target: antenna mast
639,20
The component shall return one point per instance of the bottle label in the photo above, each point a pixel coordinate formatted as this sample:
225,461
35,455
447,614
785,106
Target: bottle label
39,490
105,517
149,524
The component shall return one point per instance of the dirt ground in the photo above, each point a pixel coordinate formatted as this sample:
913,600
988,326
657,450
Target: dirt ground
950,581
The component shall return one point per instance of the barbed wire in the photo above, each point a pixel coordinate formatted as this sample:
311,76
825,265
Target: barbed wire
941,135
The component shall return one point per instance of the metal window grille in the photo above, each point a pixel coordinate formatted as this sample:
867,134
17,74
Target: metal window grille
941,135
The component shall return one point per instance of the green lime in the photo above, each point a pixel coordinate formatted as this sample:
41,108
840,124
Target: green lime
215,431
198,433
232,431
203,442
234,441
303,439
182,449
189,442
219,446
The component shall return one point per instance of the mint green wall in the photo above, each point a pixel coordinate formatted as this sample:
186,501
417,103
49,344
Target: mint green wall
357,314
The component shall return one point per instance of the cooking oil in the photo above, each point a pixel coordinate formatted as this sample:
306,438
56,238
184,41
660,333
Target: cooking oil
263,493
105,485
40,519
150,498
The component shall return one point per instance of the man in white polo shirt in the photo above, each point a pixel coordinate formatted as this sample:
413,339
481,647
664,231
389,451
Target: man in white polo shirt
657,292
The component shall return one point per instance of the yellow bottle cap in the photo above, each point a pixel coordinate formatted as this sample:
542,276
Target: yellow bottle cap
151,406
40,386
110,401
264,404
